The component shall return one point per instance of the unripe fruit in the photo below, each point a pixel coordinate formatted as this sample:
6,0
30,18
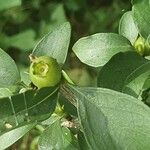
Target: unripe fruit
44,71
142,46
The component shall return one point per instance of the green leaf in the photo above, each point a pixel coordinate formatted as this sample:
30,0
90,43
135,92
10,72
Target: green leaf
82,142
97,49
125,72
57,137
56,17
26,107
9,91
127,27
5,92
8,138
24,40
141,16
111,120
6,4
9,74
55,44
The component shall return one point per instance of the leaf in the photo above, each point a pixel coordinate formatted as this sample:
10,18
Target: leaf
28,107
125,72
127,27
5,92
57,137
9,74
55,44
112,120
56,17
141,16
8,138
9,91
24,40
82,142
6,4
97,49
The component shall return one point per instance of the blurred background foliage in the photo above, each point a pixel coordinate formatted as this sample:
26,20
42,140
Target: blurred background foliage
24,22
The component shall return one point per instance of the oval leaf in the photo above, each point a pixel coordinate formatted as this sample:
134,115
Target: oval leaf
55,44
9,74
127,27
141,16
97,49
113,120
125,71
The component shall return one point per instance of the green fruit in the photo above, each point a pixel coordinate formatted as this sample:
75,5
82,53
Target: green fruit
140,45
44,72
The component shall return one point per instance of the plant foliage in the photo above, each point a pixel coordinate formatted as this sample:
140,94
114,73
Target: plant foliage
114,114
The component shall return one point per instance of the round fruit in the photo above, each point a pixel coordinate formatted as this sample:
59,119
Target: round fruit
44,71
